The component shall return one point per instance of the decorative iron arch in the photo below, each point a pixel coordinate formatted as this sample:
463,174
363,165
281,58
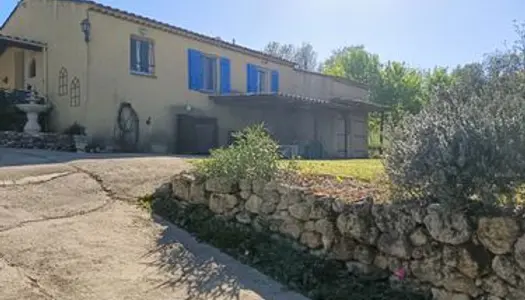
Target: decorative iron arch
74,93
62,82
127,127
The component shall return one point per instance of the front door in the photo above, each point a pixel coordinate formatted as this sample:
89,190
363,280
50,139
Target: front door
19,70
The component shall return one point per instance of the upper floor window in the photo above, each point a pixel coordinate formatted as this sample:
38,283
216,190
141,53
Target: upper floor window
206,70
142,56
209,73
261,80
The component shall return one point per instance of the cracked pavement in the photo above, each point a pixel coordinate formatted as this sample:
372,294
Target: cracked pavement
69,229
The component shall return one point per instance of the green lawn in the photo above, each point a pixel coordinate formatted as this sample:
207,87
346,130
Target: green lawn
361,169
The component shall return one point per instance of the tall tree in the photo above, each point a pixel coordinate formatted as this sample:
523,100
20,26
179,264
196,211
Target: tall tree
392,84
284,51
470,77
355,63
304,55
439,78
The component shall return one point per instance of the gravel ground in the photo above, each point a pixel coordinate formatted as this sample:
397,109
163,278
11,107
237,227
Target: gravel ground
68,230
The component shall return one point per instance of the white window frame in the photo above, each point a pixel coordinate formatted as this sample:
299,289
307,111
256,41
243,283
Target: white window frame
214,60
261,89
151,56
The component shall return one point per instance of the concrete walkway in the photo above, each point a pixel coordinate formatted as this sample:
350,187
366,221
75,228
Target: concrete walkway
69,230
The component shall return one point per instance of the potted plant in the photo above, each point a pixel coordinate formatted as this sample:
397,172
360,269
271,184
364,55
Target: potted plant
78,132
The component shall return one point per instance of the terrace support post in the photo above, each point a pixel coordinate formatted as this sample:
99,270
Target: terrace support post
381,128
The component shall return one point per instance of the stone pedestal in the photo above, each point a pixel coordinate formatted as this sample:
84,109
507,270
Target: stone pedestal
32,111
32,125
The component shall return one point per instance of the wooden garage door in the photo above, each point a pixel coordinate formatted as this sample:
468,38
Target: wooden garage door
341,137
196,135
359,139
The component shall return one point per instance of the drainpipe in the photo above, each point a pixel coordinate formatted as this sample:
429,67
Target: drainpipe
87,66
381,128
345,122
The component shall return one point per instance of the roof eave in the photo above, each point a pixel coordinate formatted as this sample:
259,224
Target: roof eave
10,15
350,105
18,40
183,32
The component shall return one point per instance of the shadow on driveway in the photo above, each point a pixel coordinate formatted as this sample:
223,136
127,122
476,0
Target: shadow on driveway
209,273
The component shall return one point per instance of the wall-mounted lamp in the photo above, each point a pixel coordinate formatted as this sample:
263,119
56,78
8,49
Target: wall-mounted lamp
86,29
5,80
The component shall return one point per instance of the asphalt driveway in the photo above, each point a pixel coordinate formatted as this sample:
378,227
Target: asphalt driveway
69,229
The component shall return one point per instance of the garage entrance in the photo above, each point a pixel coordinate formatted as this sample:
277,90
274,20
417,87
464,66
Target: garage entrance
196,135
342,136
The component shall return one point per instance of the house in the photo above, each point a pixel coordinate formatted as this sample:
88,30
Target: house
149,85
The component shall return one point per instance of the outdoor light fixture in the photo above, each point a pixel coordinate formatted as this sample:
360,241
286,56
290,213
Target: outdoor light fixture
86,29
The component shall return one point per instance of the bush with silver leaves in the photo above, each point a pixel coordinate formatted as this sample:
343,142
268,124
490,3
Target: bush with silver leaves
463,146
468,143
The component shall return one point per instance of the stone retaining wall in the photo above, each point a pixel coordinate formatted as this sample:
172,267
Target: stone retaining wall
42,140
453,255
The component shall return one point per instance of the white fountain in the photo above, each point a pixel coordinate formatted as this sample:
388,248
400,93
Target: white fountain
32,110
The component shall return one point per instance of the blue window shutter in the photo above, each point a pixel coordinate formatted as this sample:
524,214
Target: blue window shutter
251,78
195,76
275,81
225,76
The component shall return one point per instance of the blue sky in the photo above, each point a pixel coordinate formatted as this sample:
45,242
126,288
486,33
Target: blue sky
423,33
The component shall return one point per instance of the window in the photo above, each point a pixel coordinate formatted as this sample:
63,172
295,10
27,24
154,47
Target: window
204,71
142,56
62,82
209,73
74,94
262,81
32,68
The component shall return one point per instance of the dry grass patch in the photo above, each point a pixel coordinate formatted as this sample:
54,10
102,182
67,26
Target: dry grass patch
350,179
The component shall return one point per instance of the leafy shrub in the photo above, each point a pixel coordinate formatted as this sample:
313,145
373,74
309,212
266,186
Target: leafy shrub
461,147
468,143
252,155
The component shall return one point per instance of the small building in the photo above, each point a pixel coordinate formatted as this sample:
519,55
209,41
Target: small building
151,86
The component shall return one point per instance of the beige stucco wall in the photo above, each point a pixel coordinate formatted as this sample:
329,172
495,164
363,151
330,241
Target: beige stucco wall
162,96
323,87
7,69
102,66
56,23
